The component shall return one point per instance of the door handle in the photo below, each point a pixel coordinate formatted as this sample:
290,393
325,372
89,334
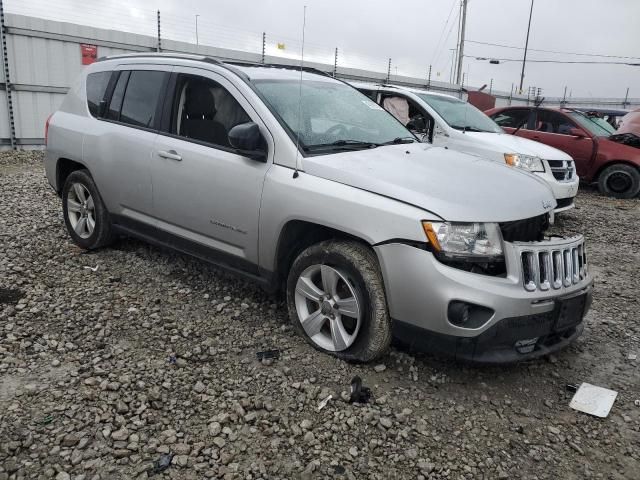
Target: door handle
536,137
170,154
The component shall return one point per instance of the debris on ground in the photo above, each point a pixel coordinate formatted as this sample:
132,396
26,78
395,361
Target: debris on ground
324,402
93,269
268,355
359,393
593,400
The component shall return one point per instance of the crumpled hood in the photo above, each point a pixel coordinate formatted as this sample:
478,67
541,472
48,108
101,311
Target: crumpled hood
452,185
512,144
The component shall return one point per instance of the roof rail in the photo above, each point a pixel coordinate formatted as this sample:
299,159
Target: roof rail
184,56
281,65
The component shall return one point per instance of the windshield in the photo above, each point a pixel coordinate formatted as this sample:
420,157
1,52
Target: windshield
594,125
334,116
460,115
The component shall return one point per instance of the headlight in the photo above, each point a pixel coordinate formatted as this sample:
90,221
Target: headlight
468,241
526,162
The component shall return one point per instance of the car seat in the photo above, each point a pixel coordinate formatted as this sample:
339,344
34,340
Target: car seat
198,116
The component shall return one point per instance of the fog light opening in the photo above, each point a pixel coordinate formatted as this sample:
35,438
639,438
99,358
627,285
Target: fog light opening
468,315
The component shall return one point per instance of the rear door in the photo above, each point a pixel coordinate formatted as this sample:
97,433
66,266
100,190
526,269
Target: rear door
553,128
121,142
206,197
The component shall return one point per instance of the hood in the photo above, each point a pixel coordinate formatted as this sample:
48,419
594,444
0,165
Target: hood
452,185
620,146
512,144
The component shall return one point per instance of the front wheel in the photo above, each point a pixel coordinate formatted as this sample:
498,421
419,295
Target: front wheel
619,181
85,214
336,300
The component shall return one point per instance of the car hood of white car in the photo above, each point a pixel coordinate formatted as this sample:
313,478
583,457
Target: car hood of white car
513,144
452,185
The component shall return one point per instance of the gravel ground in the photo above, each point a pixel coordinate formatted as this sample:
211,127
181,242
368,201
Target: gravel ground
102,371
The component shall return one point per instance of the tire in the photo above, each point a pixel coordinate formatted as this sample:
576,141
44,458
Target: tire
352,323
82,206
620,181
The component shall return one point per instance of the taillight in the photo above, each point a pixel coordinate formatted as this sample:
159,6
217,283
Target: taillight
46,129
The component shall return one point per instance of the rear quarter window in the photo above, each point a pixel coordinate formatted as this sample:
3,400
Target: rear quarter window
141,97
96,89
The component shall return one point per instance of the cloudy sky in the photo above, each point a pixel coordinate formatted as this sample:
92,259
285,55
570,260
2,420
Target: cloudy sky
413,33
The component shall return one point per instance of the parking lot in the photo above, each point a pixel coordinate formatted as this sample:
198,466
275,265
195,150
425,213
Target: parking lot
113,358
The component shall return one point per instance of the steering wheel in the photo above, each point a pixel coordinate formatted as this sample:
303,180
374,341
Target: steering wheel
336,130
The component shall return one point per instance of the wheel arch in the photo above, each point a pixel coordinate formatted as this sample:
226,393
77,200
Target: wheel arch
64,168
297,235
611,163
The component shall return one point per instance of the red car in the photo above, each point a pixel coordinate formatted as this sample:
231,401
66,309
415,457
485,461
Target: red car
600,156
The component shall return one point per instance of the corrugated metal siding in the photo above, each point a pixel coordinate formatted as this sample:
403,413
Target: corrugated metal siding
31,111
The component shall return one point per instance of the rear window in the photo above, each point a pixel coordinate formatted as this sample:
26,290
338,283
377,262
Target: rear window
141,97
96,88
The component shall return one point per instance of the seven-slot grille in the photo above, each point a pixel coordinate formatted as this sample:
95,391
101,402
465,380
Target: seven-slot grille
554,267
563,170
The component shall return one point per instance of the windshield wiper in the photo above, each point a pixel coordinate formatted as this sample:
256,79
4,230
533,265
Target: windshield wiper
341,145
399,140
467,128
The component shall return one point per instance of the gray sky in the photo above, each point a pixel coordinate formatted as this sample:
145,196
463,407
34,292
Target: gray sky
411,32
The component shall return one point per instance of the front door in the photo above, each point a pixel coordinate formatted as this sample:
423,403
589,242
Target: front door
204,192
554,129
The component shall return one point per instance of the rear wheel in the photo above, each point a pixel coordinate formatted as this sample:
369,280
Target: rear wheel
85,214
337,302
619,181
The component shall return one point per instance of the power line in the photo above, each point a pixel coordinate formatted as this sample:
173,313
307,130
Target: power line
447,38
551,51
584,62
444,27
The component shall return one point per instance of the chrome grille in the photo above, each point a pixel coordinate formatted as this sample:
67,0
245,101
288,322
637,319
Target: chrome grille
553,266
562,170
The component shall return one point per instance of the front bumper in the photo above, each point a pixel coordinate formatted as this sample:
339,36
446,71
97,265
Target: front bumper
563,191
420,289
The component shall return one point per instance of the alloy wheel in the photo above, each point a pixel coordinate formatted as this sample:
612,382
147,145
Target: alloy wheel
81,210
328,308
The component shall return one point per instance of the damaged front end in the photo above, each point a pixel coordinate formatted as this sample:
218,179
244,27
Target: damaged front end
528,301
629,139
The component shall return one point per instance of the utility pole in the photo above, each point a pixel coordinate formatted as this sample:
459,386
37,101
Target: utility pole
197,39
159,45
429,78
461,50
388,72
526,46
335,63
264,45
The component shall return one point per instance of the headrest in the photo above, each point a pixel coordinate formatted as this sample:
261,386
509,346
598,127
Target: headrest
199,102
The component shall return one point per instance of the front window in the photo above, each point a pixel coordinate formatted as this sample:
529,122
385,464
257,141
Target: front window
460,115
333,116
598,127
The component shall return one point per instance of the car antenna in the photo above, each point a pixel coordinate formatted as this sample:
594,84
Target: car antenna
304,24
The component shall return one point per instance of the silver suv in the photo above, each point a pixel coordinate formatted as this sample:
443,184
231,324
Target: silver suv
301,183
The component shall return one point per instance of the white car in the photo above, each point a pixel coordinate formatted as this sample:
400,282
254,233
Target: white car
446,121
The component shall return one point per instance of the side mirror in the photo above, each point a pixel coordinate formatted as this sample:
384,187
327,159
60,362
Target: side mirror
417,124
576,132
247,140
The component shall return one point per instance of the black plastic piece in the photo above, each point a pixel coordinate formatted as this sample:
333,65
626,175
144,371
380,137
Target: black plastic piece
268,355
359,393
